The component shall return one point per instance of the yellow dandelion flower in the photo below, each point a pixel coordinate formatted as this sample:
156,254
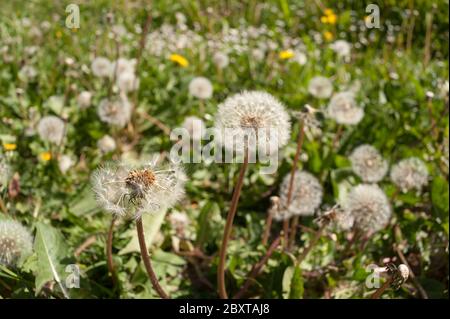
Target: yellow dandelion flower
179,59
286,54
328,35
324,19
329,12
46,156
9,146
332,18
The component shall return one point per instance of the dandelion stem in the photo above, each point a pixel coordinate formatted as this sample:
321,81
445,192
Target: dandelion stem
109,253
268,226
257,268
377,294
337,137
313,242
398,250
300,139
3,206
228,228
285,232
146,260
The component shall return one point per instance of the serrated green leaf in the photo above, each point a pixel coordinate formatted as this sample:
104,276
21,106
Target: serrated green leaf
50,250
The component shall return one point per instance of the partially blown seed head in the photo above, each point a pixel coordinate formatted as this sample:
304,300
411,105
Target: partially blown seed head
253,119
116,112
343,109
306,196
320,87
410,174
15,242
369,207
102,67
128,190
52,129
368,163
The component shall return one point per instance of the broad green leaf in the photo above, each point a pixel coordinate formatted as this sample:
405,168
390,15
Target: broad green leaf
440,195
50,249
292,283
151,223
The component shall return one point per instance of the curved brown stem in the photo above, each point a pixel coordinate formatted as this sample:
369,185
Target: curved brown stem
285,233
147,262
3,206
257,268
109,254
313,242
268,225
228,226
377,294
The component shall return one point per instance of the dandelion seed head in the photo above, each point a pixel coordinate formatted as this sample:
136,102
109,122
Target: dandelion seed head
27,73
221,60
342,48
106,144
16,242
84,99
131,190
195,126
123,65
65,162
368,163
307,194
343,109
127,82
249,115
201,88
410,174
320,87
51,128
102,67
115,112
369,206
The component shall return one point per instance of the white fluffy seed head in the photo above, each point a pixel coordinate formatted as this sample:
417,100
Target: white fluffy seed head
127,82
115,112
106,144
306,196
221,60
5,173
132,190
342,48
65,162
16,242
84,99
123,65
51,128
343,109
368,163
410,174
201,88
195,126
102,67
320,87
369,206
253,116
